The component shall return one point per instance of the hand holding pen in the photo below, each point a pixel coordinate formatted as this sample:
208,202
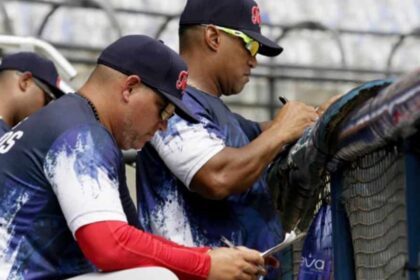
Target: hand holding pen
269,260
234,263
283,100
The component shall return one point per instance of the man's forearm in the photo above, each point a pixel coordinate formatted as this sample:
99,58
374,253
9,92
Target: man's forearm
112,245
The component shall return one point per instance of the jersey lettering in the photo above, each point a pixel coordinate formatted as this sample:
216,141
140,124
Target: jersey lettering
9,140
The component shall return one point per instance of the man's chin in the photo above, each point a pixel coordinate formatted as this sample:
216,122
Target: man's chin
234,92
132,146
238,89
140,144
136,144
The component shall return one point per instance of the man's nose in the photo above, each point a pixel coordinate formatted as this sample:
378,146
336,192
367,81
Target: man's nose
252,61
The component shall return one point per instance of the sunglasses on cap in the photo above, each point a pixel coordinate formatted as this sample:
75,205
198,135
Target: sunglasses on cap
45,88
250,44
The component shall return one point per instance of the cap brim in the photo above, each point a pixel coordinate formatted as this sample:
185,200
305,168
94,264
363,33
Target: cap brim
180,108
55,90
268,47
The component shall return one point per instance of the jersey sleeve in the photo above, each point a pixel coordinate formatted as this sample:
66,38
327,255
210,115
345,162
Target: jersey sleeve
128,247
82,168
186,147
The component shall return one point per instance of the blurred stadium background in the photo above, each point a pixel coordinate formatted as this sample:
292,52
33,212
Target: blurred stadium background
330,45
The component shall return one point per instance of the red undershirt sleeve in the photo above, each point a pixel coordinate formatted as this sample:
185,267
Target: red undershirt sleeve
115,245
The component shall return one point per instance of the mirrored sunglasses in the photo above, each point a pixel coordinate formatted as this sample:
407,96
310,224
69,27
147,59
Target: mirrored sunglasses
250,44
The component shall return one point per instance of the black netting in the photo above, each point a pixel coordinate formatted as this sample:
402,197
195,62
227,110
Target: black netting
374,198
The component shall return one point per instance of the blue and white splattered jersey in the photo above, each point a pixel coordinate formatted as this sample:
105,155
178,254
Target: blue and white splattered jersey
60,169
166,205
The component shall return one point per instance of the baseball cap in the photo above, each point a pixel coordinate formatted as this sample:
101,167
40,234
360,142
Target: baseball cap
241,15
41,69
157,65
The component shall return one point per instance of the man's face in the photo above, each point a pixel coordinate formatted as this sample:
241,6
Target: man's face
237,63
33,98
143,117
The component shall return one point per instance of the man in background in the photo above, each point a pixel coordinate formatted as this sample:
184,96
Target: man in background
27,83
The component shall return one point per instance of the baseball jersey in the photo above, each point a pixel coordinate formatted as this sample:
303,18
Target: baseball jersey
166,166
60,169
3,127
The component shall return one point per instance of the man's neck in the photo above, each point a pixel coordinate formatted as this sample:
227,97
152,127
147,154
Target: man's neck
90,92
204,86
5,113
201,77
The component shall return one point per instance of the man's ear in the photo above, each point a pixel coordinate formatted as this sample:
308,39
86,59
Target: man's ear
24,80
129,84
212,37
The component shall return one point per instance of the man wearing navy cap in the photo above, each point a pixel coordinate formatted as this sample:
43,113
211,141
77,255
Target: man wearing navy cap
27,83
211,176
64,202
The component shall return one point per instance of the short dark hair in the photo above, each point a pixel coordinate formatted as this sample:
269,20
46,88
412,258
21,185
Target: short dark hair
182,29
185,36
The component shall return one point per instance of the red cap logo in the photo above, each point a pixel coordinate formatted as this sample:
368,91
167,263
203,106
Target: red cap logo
256,16
181,84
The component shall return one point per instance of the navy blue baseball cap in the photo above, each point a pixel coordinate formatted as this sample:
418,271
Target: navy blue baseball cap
41,69
157,65
241,15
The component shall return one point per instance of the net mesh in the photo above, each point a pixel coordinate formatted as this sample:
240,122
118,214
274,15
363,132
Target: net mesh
357,138
374,199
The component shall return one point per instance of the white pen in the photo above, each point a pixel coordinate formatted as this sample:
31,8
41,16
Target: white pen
229,243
